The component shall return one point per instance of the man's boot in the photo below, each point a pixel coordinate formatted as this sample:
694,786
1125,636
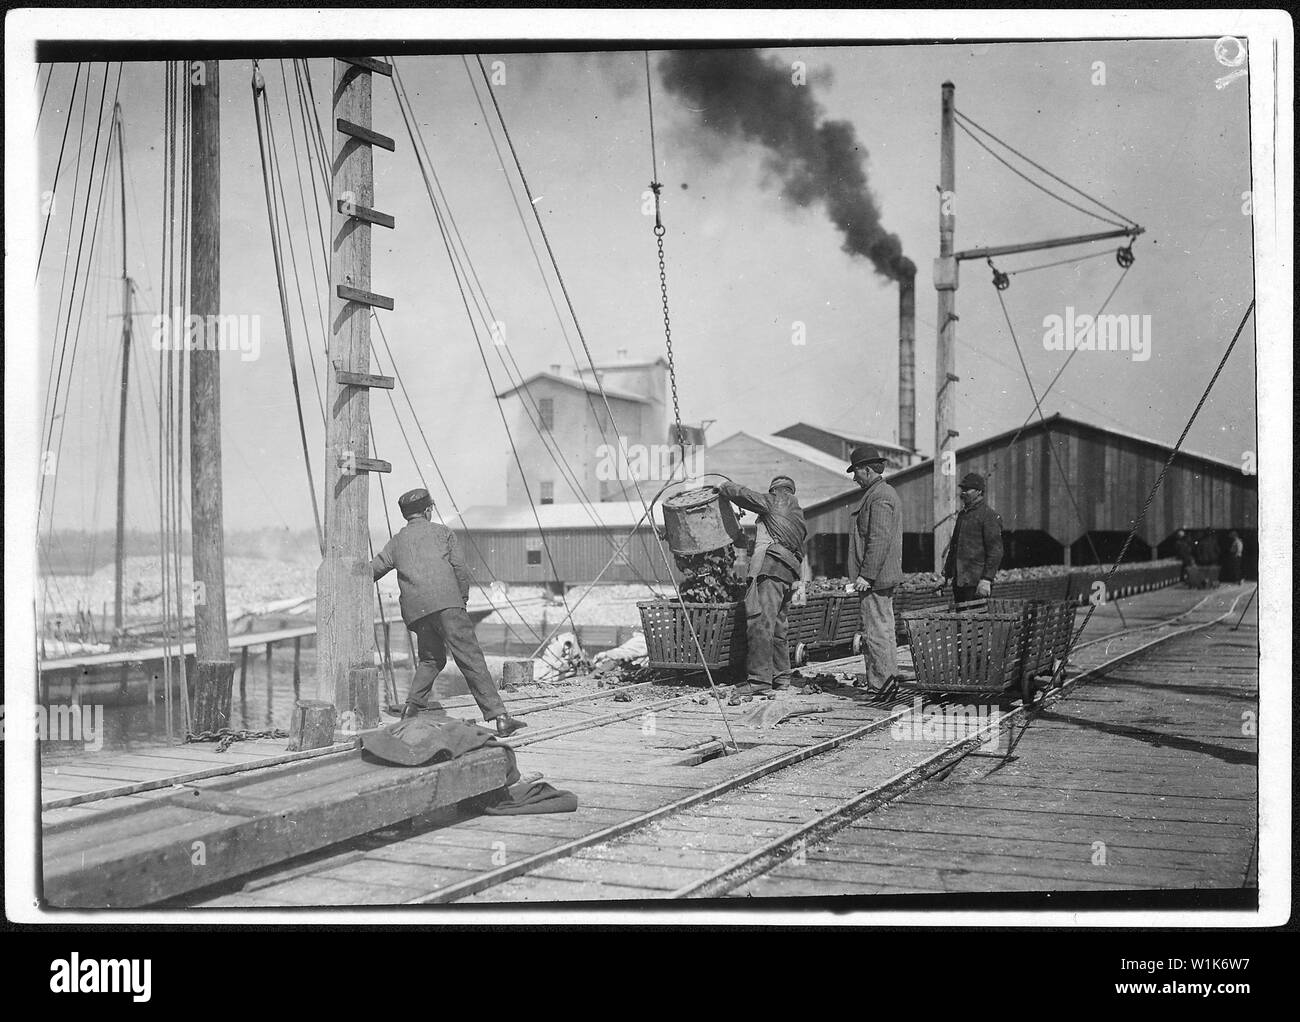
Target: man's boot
508,725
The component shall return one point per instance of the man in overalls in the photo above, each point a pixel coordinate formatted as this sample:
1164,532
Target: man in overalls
773,570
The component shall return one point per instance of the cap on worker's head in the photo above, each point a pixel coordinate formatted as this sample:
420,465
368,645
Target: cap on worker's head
866,455
785,481
972,481
414,502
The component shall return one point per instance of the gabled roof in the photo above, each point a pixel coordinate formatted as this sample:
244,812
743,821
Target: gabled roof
807,452
644,363
576,384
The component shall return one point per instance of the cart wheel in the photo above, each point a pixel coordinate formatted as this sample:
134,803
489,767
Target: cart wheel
800,654
1027,687
857,643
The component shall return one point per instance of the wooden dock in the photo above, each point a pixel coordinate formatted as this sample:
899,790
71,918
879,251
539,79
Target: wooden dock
662,816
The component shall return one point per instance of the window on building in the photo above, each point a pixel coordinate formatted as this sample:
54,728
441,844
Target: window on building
533,547
546,412
534,557
548,492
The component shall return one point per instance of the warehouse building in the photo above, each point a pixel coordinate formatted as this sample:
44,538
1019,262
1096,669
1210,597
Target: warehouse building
1078,513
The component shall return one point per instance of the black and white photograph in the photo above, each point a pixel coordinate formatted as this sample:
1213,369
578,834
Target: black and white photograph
505,466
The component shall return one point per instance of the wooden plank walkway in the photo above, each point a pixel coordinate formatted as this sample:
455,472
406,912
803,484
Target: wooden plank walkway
1145,779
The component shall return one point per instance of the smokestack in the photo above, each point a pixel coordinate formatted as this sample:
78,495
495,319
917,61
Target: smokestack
907,362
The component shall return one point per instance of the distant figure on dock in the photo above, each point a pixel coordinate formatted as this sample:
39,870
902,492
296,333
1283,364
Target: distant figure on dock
1232,558
434,585
1184,552
975,551
876,566
774,567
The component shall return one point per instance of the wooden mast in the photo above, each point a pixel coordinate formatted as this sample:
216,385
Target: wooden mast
214,669
344,586
945,378
119,548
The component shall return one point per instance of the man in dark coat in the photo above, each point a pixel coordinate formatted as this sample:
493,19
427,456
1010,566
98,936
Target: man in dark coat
975,550
434,585
773,569
1207,549
1232,558
876,566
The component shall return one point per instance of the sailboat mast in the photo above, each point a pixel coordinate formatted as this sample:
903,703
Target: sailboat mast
214,668
119,549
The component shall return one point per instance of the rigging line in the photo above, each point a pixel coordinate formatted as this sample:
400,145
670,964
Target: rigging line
1038,407
273,227
45,92
1137,524
564,290
565,471
650,106
277,177
1059,262
51,391
390,681
1029,418
58,166
306,222
1042,188
532,245
581,337
436,467
76,335
1054,177
500,409
187,159
600,423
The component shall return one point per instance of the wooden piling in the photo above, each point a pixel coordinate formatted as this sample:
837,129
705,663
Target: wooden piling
312,726
212,694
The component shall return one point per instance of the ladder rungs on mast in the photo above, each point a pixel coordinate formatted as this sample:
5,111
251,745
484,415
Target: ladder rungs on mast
370,64
362,379
352,294
370,216
366,135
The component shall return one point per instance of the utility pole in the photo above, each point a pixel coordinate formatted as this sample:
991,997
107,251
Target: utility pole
215,670
347,675
945,398
119,550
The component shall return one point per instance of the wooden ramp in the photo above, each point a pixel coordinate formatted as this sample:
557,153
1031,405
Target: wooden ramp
127,852
1143,780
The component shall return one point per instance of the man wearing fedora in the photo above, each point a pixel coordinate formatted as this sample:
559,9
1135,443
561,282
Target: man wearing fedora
876,566
773,569
975,550
434,585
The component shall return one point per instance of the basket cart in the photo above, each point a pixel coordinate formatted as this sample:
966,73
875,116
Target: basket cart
719,627
908,600
1045,638
841,623
1201,576
804,627
973,651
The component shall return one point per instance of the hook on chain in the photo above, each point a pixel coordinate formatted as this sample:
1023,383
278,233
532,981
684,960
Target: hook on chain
1124,256
1001,281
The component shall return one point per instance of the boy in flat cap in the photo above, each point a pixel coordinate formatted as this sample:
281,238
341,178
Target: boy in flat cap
434,585
773,570
975,550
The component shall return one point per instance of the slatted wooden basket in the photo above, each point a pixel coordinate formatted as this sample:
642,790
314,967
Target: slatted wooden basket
719,627
1046,633
965,651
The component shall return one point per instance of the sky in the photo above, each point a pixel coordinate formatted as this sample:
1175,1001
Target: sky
1156,140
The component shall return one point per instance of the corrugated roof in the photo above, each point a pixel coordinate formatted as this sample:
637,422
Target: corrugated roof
577,384
617,515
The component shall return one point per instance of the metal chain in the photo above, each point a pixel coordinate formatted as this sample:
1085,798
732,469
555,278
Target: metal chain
655,186
225,737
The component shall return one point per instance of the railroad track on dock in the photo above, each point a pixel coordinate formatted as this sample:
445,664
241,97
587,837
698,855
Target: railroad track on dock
774,851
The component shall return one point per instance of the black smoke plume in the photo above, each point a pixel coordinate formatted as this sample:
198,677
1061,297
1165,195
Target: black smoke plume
744,96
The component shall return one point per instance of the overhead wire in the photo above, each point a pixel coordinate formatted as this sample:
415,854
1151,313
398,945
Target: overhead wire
58,167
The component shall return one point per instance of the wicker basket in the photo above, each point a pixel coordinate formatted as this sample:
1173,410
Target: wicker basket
913,600
966,651
805,624
1048,628
719,627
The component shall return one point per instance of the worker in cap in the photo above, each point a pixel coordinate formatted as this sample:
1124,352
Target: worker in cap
434,585
774,567
876,567
975,549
